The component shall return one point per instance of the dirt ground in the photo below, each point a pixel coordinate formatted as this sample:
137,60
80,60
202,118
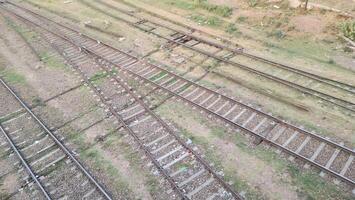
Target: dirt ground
311,39
46,82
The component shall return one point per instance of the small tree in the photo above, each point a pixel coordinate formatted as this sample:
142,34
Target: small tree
306,4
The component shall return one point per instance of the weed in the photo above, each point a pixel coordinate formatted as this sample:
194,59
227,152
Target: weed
157,76
348,49
183,4
291,28
209,21
12,76
253,3
348,29
103,164
279,34
231,28
331,61
26,34
51,61
97,76
242,19
223,11
38,102
220,10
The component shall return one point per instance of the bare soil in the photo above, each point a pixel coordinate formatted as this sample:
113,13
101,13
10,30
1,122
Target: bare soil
259,178
244,167
48,82
308,24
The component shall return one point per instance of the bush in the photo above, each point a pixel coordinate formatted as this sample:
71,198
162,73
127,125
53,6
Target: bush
348,30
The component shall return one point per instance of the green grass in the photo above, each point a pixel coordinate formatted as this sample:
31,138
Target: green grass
89,152
106,165
317,51
134,159
231,28
12,77
278,34
27,34
253,3
51,61
242,19
220,10
97,76
48,8
348,29
158,76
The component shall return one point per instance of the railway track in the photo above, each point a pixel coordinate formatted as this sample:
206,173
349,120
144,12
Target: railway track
168,152
333,158
328,90
227,45
48,162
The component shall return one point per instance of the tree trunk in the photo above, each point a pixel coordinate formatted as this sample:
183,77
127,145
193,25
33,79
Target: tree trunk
305,6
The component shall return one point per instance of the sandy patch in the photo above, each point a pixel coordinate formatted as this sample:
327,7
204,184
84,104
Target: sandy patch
10,183
308,24
294,3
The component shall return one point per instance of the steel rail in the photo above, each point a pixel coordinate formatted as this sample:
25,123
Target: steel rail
58,142
123,123
290,84
199,158
249,131
137,99
24,162
234,124
220,46
196,84
193,83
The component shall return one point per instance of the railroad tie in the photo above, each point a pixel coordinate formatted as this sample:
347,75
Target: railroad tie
199,188
239,115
